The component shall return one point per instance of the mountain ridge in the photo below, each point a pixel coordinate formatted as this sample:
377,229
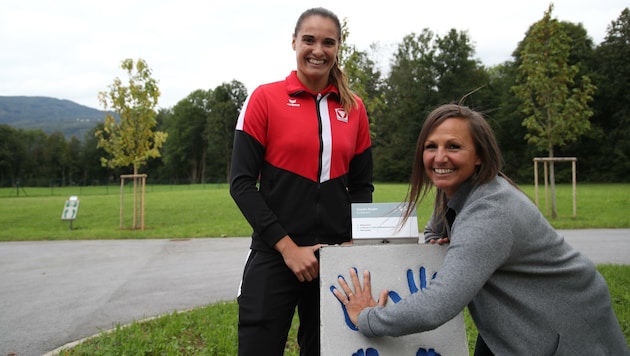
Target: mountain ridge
49,114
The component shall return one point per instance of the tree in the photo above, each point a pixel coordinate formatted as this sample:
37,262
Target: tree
33,166
458,73
506,121
185,152
12,153
557,111
226,102
409,92
426,71
92,171
56,159
132,141
74,160
363,76
612,112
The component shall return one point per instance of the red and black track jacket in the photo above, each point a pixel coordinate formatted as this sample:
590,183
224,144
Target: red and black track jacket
299,160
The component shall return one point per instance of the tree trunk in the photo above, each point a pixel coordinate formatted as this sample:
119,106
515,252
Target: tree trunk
202,176
552,179
135,197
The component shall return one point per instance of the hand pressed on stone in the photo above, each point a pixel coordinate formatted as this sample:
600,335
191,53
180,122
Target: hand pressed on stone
353,302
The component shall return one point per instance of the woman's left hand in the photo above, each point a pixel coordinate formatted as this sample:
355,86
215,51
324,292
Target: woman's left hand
440,241
359,299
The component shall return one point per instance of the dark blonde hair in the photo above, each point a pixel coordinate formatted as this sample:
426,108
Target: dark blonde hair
337,77
486,148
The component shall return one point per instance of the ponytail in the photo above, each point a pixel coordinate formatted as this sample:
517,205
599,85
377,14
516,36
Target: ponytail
339,79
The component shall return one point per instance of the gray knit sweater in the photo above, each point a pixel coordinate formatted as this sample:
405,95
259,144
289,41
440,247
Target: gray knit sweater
528,291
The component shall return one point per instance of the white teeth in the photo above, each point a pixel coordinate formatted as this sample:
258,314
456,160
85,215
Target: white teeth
316,61
442,170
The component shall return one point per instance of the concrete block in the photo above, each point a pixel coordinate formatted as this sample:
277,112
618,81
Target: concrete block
388,265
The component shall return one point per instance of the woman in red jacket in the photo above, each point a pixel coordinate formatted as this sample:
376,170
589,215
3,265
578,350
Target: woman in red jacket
302,154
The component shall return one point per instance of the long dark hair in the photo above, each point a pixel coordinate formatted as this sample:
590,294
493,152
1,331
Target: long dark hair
486,148
337,76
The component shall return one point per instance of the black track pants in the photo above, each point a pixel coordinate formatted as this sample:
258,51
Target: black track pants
269,294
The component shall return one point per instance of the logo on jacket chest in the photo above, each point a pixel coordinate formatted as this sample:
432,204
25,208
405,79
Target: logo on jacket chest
341,114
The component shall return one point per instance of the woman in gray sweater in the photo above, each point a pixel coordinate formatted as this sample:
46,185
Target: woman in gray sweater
528,291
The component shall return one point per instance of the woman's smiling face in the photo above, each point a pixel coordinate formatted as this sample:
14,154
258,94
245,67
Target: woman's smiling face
449,156
316,45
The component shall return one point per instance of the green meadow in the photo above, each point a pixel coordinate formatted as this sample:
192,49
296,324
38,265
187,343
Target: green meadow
207,210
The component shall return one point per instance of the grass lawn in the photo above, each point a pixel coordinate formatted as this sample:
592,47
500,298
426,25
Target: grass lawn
187,211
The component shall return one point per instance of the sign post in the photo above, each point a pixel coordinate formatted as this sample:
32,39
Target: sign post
70,210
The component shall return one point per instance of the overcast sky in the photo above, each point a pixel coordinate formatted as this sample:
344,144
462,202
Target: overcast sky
72,49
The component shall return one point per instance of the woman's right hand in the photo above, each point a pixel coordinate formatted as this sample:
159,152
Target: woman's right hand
301,260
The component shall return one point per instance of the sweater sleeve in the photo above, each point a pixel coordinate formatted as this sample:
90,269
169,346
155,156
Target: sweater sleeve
432,230
480,244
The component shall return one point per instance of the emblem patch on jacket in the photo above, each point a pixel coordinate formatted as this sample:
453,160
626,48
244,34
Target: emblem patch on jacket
341,115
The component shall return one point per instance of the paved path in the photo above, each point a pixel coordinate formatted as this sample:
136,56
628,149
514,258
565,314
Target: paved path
56,292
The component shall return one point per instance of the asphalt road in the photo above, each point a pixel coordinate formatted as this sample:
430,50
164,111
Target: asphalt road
53,293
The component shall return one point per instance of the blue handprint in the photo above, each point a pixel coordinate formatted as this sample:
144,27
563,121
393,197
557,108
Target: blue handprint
349,323
413,288
394,296
368,352
373,352
429,352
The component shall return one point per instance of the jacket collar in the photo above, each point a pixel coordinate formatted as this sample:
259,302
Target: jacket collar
295,87
457,201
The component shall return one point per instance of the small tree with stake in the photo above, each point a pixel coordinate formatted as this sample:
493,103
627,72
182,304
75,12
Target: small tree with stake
557,109
132,140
